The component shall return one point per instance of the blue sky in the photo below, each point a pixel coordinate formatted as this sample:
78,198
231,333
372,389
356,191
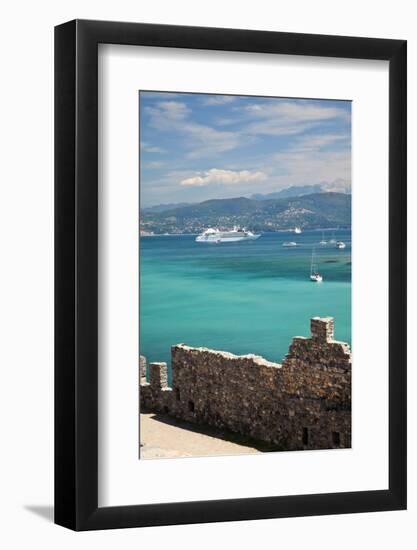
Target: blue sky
195,147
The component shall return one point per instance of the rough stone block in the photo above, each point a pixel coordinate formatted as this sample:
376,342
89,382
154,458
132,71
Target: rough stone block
142,368
158,375
322,329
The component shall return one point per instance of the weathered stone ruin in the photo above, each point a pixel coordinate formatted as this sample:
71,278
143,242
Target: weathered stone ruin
303,403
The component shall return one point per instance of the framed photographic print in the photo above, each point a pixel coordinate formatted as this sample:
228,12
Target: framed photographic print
230,275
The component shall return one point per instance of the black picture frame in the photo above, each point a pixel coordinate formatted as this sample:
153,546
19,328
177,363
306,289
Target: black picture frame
76,272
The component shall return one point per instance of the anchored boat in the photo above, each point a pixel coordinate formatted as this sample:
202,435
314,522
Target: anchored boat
314,270
214,235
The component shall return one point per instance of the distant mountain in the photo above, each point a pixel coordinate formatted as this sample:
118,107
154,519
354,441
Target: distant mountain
163,207
293,191
336,186
317,210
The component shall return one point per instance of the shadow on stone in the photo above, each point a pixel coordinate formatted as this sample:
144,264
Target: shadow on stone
225,435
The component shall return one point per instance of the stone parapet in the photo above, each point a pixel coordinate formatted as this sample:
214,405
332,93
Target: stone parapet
303,403
142,369
158,375
322,329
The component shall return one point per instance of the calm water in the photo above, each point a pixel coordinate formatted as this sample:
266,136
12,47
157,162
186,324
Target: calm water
245,297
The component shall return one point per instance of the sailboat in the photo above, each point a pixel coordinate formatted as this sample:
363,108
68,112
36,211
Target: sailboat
332,240
314,271
322,238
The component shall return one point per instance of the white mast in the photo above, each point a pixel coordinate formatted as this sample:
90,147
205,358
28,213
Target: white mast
314,272
312,262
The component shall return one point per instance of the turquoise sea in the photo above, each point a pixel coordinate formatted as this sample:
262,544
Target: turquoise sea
244,297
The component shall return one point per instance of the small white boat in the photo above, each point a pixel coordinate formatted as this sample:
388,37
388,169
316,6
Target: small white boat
289,243
316,277
323,241
340,244
332,240
314,270
297,230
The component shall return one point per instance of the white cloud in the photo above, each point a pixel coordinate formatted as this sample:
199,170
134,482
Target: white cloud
218,100
288,118
206,141
160,95
315,147
318,141
267,118
216,175
294,110
337,186
199,139
297,167
150,148
153,164
166,113
311,159
223,121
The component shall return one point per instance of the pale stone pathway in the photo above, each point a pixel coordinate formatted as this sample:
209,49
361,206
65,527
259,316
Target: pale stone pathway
161,438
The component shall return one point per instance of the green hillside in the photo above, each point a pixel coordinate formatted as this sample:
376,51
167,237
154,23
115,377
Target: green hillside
318,210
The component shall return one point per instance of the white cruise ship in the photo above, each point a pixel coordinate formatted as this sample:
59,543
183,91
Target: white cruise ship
215,235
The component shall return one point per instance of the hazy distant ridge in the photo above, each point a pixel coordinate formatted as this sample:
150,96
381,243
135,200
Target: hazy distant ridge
336,186
163,207
293,191
317,210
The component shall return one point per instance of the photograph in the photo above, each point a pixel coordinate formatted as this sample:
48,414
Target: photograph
208,332
245,274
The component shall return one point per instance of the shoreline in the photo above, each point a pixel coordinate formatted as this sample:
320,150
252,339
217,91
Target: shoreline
290,231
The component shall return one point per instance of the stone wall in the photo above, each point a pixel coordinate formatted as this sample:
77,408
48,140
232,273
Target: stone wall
303,403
